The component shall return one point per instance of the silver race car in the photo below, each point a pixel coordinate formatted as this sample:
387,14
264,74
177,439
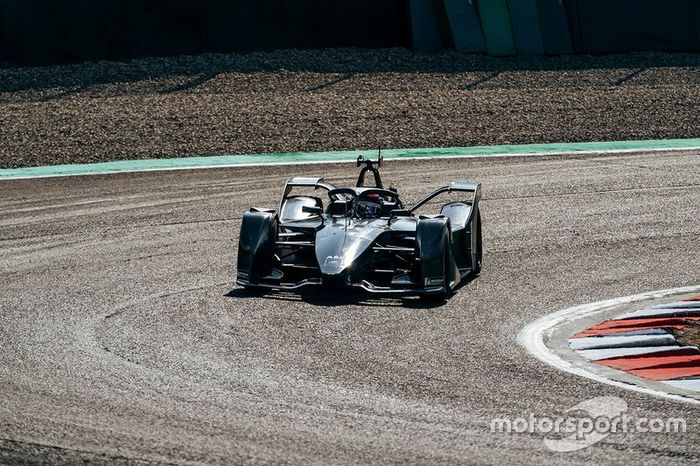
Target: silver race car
361,237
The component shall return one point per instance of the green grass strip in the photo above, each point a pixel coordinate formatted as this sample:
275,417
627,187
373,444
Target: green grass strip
347,156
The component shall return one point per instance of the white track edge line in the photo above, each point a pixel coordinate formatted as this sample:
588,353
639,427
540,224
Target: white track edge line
531,337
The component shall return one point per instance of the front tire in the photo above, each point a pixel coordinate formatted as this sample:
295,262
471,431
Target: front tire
255,290
478,253
433,236
256,245
442,295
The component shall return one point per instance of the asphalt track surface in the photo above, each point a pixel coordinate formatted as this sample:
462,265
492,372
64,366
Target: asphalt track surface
124,338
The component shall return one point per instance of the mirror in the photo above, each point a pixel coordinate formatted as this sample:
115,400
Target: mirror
312,210
400,213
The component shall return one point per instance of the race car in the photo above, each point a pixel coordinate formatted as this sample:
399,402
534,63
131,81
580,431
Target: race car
361,237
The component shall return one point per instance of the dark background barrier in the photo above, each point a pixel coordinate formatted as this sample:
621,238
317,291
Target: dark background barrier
53,31
604,26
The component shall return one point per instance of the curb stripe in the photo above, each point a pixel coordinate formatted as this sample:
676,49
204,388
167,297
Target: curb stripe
607,353
613,326
619,332
688,384
667,373
679,305
626,333
650,361
661,312
298,158
609,341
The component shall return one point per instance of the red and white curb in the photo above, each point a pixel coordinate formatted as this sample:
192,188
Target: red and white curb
635,350
641,343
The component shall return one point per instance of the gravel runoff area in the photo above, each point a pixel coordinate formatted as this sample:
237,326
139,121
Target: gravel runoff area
337,99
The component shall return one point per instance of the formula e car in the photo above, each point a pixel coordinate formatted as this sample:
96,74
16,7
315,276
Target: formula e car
361,237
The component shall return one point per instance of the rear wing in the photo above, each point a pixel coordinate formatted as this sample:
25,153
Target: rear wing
465,186
304,182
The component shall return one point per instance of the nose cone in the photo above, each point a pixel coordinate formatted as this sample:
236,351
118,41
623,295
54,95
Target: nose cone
337,248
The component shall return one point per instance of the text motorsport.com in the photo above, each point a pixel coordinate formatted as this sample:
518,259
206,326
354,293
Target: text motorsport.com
581,427
587,423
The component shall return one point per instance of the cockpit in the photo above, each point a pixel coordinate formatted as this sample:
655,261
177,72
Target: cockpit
362,203
357,202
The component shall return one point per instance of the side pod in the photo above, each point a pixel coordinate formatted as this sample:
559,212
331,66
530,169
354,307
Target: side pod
256,245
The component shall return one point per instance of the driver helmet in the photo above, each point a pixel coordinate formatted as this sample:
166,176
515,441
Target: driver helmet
370,206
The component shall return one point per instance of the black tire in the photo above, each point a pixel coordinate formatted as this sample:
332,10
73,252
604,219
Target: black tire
255,290
256,245
478,256
442,295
